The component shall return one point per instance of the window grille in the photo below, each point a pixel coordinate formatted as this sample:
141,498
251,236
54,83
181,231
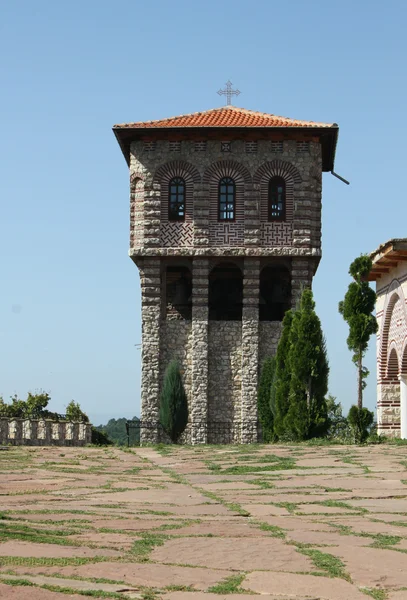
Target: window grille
276,199
227,199
176,199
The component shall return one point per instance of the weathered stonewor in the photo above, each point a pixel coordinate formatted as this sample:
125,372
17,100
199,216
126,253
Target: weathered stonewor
250,350
44,432
219,268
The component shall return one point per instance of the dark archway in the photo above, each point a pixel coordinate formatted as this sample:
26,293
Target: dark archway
225,293
178,292
275,293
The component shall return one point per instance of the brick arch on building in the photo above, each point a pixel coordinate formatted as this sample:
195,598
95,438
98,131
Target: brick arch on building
226,168
403,362
394,328
191,176
277,168
137,184
392,371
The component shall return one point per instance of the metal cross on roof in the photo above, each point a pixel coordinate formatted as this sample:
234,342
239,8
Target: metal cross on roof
228,92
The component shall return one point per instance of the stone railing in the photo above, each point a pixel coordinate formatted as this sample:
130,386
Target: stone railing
44,432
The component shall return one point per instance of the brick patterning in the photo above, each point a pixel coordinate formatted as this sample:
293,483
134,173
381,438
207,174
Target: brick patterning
220,359
226,234
251,147
391,312
176,235
276,234
189,174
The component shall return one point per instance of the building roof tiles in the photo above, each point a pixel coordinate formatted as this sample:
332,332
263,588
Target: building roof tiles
226,116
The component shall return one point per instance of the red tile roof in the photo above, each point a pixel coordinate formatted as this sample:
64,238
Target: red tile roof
226,116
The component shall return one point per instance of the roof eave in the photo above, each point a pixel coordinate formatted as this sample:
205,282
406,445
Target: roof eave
328,158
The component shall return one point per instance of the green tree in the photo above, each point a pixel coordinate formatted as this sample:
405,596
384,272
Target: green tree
338,423
360,420
356,308
36,404
279,398
75,413
174,404
265,413
308,363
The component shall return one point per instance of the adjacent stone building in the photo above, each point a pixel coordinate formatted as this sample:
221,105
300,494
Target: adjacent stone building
390,273
225,228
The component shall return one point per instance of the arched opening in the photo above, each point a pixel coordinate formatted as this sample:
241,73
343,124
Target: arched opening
225,293
276,199
275,293
393,366
178,292
227,199
403,367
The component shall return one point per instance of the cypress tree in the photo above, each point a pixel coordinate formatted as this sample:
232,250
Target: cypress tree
279,399
308,363
266,417
174,404
356,308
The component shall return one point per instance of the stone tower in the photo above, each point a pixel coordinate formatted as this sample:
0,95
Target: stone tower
225,228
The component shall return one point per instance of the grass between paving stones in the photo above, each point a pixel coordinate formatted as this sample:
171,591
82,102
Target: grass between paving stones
274,530
230,585
329,564
142,547
39,536
263,484
31,561
376,594
380,540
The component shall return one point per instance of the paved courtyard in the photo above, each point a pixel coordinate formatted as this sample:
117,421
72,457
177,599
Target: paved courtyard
199,523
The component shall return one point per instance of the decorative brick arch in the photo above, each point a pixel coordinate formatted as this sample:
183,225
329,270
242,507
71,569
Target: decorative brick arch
137,189
316,174
241,177
191,176
277,168
393,335
403,365
392,365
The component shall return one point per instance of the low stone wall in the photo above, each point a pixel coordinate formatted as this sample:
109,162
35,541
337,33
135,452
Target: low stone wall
44,432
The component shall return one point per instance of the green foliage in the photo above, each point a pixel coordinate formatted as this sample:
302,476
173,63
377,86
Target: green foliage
115,431
338,425
301,375
174,404
99,438
265,413
35,407
356,309
279,401
360,420
74,413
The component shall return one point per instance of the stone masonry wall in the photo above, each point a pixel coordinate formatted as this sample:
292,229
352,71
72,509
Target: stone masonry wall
44,432
220,359
388,409
269,336
225,372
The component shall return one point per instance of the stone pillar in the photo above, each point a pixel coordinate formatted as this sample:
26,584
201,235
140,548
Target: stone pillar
250,350
150,354
301,277
252,215
199,400
403,407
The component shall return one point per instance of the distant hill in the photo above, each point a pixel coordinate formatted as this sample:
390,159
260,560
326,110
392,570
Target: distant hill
115,429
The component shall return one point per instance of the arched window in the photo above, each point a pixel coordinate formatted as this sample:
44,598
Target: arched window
227,199
277,199
176,199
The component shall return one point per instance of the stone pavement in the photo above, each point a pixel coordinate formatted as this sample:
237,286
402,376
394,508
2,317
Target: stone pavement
199,523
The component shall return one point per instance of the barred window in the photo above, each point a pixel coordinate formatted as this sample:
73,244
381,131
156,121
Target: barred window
276,199
227,199
176,199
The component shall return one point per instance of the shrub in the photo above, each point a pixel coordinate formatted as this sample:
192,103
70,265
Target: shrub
174,404
74,413
360,420
265,413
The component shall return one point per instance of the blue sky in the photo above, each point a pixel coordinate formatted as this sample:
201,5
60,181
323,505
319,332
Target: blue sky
70,296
